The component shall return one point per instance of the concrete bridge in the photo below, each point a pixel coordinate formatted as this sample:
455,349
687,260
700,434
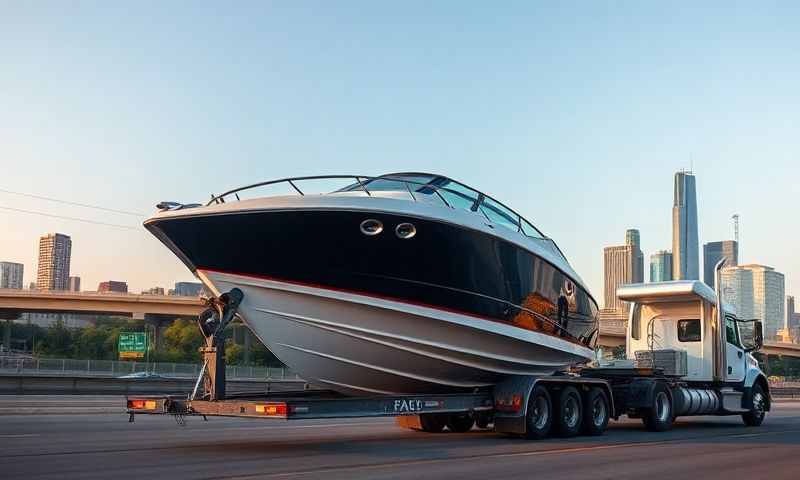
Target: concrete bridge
157,310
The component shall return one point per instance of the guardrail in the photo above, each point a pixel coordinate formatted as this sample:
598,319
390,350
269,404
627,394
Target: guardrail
112,368
94,385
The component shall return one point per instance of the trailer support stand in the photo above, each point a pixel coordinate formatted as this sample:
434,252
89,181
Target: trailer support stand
212,322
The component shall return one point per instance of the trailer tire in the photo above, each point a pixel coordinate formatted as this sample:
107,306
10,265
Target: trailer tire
460,422
758,410
569,412
432,422
659,417
539,415
596,412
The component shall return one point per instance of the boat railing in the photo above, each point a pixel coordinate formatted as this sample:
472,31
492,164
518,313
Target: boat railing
361,183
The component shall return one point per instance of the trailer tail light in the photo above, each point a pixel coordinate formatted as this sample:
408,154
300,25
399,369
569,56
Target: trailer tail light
277,409
142,404
509,404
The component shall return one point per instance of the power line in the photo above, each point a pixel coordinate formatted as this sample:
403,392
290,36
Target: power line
84,220
67,202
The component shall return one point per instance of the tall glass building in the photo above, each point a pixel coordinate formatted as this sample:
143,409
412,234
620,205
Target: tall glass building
661,266
685,243
756,291
713,252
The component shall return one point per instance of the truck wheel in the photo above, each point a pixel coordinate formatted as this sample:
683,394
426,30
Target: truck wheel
659,417
758,410
596,412
432,422
539,417
460,422
569,412
482,421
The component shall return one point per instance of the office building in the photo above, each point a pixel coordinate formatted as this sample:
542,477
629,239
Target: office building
55,250
622,264
713,252
187,289
661,266
756,291
113,286
74,284
789,311
685,243
154,291
11,274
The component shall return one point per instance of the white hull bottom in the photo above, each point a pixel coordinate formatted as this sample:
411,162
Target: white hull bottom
359,345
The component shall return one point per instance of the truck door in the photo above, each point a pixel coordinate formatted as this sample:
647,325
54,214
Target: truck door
734,353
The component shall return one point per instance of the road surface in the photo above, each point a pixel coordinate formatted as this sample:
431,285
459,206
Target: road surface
105,445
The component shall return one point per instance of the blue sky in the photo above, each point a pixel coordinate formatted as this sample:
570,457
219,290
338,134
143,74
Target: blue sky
576,114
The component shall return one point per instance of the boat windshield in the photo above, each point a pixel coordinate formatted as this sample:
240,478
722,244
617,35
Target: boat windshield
451,193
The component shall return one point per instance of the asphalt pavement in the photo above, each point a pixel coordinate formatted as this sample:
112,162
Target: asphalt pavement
53,445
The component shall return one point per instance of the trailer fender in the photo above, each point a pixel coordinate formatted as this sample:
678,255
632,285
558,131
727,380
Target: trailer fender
639,393
511,404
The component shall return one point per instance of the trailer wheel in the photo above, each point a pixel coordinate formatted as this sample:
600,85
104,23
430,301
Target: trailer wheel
460,422
758,410
432,422
569,412
659,417
539,417
596,412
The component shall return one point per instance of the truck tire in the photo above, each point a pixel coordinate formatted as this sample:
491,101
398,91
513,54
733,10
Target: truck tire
539,416
758,409
483,420
432,422
460,422
596,412
569,412
659,417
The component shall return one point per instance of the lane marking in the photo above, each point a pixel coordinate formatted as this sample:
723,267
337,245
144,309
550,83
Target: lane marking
431,461
21,435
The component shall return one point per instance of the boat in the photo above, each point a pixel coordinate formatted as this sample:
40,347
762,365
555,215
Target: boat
404,283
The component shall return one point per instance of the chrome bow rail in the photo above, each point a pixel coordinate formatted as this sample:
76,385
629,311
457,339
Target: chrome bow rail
362,182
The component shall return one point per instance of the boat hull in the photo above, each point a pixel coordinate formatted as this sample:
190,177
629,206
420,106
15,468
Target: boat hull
361,345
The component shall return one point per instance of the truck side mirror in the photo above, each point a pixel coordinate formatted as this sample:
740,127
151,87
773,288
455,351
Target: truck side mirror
758,336
754,343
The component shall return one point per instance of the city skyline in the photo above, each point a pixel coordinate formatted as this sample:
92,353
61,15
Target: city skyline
545,98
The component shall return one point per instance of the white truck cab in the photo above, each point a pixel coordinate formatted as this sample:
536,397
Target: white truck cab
684,321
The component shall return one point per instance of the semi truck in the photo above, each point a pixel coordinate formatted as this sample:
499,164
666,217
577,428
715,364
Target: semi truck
687,354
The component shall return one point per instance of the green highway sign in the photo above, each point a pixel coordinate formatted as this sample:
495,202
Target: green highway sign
132,344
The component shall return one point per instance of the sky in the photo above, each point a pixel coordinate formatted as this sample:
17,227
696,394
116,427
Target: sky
576,114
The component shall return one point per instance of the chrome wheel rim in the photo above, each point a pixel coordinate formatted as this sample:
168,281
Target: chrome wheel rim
662,406
598,412
541,412
571,413
758,403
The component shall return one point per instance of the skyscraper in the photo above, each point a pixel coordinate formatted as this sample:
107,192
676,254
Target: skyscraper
757,291
713,252
622,264
790,311
661,266
74,284
55,250
632,239
11,274
685,243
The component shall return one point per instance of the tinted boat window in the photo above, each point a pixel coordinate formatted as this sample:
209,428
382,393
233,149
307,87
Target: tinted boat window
500,215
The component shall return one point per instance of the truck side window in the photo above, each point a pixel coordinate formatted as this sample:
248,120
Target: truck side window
689,330
730,331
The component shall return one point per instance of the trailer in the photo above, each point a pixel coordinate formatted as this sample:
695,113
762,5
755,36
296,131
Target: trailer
687,354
